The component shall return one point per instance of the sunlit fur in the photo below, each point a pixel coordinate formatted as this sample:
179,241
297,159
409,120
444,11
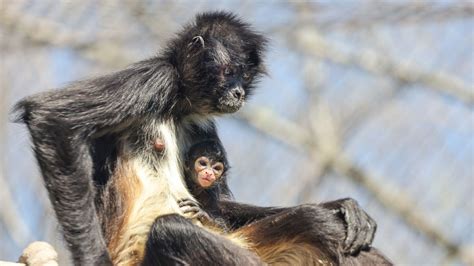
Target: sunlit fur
151,185
159,188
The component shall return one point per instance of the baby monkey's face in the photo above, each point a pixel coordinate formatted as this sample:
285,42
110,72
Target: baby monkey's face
207,171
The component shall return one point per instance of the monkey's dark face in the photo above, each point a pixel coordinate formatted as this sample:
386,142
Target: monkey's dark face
220,64
231,88
228,77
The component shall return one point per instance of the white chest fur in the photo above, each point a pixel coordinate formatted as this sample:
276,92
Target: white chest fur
161,184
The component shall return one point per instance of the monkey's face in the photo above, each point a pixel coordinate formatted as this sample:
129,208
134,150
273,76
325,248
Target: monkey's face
205,164
231,88
229,77
221,63
207,171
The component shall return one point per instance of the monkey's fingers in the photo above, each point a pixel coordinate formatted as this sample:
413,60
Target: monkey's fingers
351,218
203,217
372,229
187,210
359,228
187,202
366,234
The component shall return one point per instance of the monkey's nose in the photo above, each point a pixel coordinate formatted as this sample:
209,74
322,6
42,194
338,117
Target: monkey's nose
238,93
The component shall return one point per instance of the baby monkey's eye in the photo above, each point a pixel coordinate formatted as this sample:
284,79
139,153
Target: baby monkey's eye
218,168
201,163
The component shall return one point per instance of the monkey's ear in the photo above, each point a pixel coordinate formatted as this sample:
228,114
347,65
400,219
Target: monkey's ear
196,41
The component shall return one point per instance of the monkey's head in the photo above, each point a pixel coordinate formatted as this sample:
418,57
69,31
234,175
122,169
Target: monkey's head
219,60
205,164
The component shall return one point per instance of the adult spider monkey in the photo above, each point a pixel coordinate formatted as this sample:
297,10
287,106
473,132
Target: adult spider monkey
113,194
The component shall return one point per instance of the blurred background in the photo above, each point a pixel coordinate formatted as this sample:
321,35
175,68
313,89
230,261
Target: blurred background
371,100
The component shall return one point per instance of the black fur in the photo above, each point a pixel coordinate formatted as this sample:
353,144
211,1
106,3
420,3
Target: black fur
174,240
76,130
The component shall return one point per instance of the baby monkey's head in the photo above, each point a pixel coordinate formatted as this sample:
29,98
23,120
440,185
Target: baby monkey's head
206,164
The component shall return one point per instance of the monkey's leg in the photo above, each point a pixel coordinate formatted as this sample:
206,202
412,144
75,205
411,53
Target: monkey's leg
64,160
239,214
174,240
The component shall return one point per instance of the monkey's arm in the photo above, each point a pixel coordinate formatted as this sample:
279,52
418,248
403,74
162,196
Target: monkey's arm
239,214
360,227
104,104
62,125
315,226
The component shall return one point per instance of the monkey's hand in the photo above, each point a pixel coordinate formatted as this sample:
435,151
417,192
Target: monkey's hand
360,226
192,210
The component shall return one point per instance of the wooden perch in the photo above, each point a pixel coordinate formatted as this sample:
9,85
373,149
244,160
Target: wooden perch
37,254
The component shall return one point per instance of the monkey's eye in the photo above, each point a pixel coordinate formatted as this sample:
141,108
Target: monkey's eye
227,71
246,76
201,163
218,168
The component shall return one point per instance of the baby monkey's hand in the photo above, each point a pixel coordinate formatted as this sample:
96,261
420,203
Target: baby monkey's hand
192,210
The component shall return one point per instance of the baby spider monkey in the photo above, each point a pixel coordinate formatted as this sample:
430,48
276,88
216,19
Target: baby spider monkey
206,167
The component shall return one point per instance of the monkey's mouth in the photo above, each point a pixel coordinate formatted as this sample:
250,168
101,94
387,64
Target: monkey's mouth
229,106
206,182
232,101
